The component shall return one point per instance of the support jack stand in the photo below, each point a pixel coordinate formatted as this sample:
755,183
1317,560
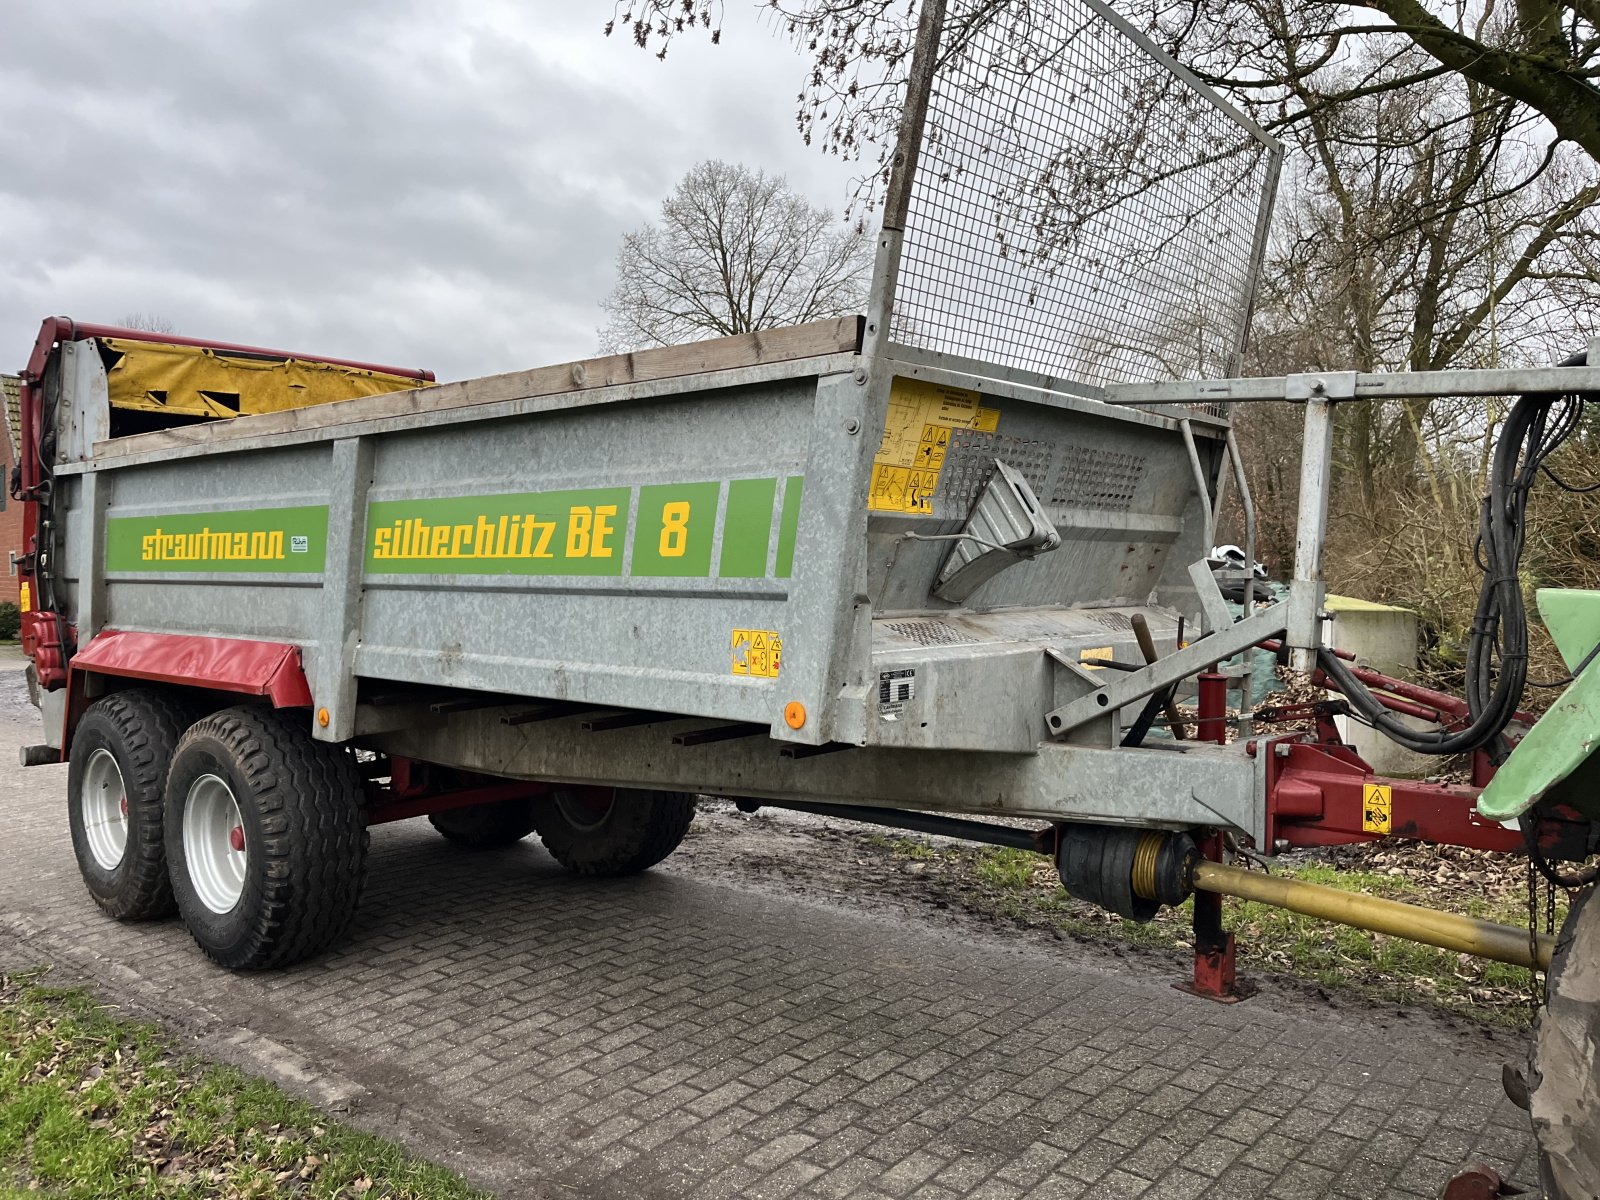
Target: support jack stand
1214,975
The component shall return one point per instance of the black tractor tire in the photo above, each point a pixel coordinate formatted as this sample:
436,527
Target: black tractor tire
487,826
302,832
612,831
1564,1080
139,729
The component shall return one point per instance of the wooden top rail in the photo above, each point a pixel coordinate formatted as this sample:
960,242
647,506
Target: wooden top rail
838,335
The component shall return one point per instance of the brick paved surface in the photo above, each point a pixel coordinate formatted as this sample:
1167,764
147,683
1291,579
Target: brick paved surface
666,1036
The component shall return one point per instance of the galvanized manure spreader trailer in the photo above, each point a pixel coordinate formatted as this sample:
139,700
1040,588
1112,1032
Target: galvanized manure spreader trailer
940,562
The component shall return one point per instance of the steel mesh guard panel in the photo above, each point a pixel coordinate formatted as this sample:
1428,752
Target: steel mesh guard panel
1081,207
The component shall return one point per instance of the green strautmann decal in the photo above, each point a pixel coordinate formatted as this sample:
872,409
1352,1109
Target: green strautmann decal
277,540
576,532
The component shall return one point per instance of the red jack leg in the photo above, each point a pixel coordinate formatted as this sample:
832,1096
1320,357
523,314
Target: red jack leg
1214,976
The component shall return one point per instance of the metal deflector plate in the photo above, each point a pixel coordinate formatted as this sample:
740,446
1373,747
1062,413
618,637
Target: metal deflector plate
1553,760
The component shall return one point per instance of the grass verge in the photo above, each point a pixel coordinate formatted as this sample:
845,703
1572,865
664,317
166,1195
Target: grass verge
100,1108
1022,887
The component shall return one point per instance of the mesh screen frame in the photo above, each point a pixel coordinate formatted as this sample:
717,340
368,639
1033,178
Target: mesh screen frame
1081,207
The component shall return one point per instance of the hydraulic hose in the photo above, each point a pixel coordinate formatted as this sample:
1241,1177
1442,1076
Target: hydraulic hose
1497,656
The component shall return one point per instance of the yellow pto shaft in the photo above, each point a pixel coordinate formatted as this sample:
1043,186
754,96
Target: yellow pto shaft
1466,935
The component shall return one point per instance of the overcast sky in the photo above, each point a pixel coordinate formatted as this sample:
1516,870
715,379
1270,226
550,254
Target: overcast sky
420,183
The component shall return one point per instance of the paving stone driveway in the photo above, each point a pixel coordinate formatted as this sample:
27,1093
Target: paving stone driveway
667,1036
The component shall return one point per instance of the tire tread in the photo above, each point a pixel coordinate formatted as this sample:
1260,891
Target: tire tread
309,795
491,826
150,725
649,829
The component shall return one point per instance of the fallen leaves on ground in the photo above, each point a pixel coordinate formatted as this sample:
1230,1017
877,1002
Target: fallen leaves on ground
95,1106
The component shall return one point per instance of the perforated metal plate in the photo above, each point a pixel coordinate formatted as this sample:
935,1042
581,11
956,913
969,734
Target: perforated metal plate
929,633
1100,479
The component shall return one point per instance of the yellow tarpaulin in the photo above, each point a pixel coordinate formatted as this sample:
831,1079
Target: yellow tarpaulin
196,381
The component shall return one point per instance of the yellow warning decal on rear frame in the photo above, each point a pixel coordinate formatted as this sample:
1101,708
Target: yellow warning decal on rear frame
1377,806
757,652
916,437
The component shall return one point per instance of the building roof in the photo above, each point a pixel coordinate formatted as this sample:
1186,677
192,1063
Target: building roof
12,386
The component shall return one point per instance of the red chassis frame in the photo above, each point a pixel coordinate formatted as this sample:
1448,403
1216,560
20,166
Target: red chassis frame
1318,789
273,672
1321,793
412,791
1318,794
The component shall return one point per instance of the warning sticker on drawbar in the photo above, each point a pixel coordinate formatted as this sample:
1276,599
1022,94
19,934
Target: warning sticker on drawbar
895,690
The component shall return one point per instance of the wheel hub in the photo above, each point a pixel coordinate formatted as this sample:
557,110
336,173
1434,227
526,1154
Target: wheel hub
214,845
585,807
103,804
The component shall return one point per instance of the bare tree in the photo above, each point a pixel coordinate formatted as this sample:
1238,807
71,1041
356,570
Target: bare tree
1544,54
1419,229
1423,231
147,322
733,252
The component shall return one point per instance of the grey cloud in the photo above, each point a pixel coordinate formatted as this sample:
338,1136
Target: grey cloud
423,183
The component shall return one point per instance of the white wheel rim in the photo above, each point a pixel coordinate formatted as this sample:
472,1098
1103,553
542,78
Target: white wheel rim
214,848
103,803
581,815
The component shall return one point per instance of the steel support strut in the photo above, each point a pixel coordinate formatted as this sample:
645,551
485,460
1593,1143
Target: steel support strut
1304,634
1228,638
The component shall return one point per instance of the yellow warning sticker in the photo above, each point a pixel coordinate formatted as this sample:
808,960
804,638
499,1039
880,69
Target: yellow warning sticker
757,652
26,595
1094,652
916,437
1377,806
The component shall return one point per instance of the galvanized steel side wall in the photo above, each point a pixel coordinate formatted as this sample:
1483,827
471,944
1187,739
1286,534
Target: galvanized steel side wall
1116,484
639,629
716,552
